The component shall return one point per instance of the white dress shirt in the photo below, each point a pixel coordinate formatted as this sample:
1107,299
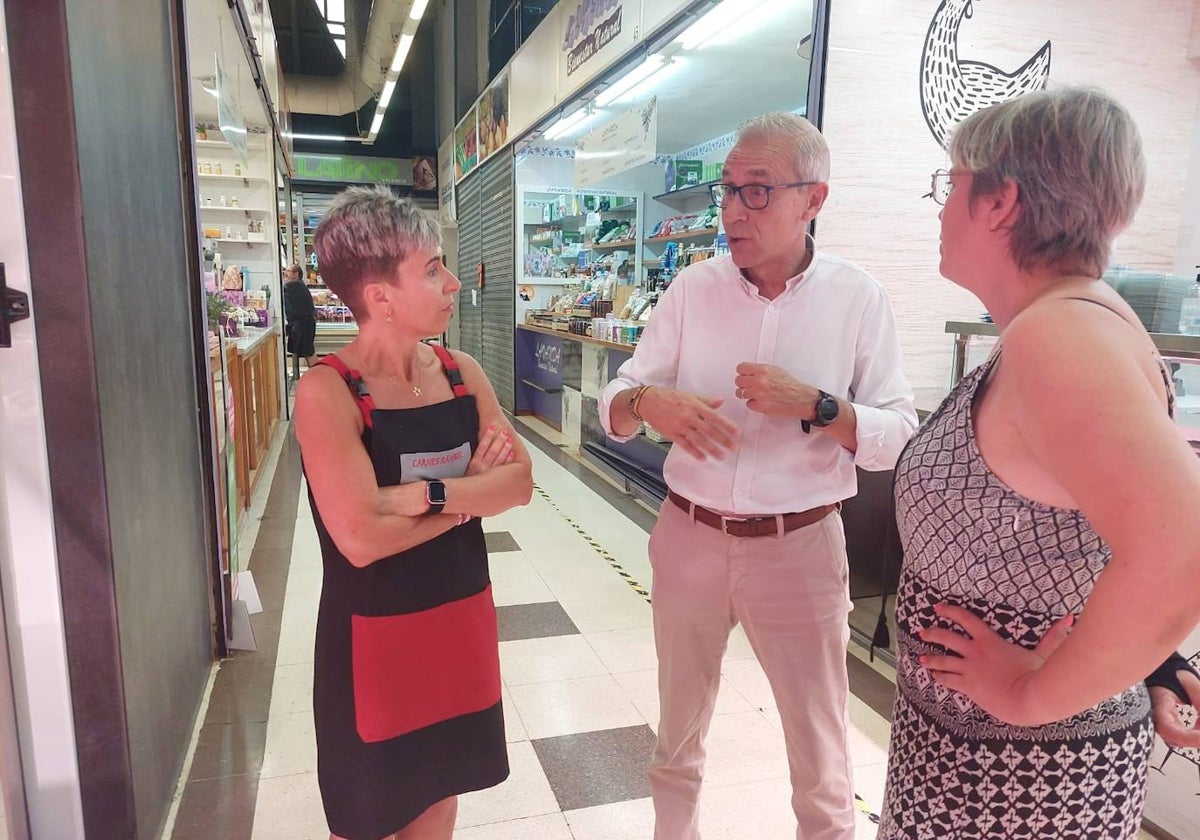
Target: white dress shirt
831,328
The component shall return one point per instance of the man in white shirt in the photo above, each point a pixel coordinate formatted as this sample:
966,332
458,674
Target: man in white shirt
775,370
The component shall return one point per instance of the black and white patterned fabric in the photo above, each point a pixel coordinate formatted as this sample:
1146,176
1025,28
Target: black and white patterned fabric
956,772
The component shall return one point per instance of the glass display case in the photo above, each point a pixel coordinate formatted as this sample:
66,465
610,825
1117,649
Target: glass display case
567,236
973,341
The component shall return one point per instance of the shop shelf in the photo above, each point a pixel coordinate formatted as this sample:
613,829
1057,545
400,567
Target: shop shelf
612,246
205,208
249,179
243,241
686,193
677,237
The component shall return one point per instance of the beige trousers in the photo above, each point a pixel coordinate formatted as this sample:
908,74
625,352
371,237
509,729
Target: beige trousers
791,595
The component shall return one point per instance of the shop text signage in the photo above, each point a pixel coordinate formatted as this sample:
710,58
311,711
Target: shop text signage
593,26
628,141
354,170
549,356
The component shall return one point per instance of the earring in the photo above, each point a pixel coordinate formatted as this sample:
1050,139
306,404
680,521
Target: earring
388,315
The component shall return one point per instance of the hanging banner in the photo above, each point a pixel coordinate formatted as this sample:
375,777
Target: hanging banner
493,117
466,144
628,141
446,183
229,118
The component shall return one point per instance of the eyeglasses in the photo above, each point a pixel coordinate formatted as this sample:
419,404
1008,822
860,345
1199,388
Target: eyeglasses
753,196
940,186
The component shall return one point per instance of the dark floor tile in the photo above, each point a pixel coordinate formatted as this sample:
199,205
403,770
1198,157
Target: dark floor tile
534,621
500,541
229,749
871,687
215,808
597,768
242,690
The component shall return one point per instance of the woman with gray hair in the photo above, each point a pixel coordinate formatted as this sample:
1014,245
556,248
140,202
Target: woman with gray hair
404,447
1047,509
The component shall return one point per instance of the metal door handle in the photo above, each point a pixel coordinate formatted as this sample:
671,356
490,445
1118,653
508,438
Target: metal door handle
14,306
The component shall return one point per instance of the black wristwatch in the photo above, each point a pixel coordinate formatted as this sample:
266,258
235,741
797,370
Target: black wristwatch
824,412
435,494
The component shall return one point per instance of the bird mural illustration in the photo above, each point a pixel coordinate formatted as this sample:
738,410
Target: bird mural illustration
952,89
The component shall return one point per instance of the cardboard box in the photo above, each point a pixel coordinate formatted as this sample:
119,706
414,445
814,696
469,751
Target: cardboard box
688,173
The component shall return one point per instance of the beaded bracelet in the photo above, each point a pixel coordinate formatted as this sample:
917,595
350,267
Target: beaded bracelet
636,400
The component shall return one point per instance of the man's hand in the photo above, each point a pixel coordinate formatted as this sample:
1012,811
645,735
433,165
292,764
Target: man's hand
495,448
690,421
768,389
1168,722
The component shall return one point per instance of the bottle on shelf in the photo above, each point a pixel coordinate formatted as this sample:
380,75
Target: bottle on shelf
217,169
1189,312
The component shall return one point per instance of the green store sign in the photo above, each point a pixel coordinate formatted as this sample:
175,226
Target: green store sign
354,170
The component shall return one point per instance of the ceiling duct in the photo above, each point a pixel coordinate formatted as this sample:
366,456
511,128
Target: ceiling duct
366,67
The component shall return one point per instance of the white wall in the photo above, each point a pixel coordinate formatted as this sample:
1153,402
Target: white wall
883,153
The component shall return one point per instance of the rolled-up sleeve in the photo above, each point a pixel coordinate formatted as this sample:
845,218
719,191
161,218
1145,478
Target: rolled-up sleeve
882,398
655,360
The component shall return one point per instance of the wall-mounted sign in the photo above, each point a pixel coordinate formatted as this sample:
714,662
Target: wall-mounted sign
424,174
466,144
354,170
493,117
590,28
628,141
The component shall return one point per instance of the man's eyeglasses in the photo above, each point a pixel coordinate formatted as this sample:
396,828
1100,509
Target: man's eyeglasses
754,196
940,186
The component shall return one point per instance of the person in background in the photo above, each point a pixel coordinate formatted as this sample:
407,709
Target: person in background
764,451
404,447
300,316
1049,509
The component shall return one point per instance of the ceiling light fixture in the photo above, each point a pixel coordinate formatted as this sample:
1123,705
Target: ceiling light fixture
331,138
575,120
389,88
632,79
718,20
402,48
418,9
377,122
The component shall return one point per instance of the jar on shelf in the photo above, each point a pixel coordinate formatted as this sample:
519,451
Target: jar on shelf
217,169
237,169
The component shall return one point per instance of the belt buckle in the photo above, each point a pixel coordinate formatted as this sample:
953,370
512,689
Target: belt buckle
725,520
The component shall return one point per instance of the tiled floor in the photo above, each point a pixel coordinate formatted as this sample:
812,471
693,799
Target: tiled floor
577,660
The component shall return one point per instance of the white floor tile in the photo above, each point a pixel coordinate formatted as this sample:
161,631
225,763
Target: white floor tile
748,679
744,747
289,808
624,651
297,635
573,706
514,729
641,687
525,793
632,820
548,827
291,746
510,589
292,692
547,660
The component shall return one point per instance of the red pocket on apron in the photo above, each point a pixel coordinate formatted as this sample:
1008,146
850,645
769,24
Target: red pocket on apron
418,669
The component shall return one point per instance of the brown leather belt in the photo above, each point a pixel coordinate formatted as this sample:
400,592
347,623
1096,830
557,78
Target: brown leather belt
751,526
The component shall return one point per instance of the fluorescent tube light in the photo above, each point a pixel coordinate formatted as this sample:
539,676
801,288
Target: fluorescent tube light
632,79
418,9
576,120
402,49
389,88
332,138
718,20
377,122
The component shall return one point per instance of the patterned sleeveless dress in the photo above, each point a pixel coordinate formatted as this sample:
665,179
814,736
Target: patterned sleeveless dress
956,772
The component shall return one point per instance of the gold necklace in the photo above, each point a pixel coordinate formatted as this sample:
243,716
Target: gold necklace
416,389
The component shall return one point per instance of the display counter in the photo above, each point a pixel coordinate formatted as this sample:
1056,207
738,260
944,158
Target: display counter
973,340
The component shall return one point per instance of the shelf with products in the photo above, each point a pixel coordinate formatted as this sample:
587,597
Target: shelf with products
688,194
680,237
248,179
560,234
214,208
613,246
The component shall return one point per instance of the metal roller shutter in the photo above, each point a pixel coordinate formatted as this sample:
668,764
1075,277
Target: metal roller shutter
499,287
470,313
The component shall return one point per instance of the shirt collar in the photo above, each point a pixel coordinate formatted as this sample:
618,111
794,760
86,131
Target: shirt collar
810,247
